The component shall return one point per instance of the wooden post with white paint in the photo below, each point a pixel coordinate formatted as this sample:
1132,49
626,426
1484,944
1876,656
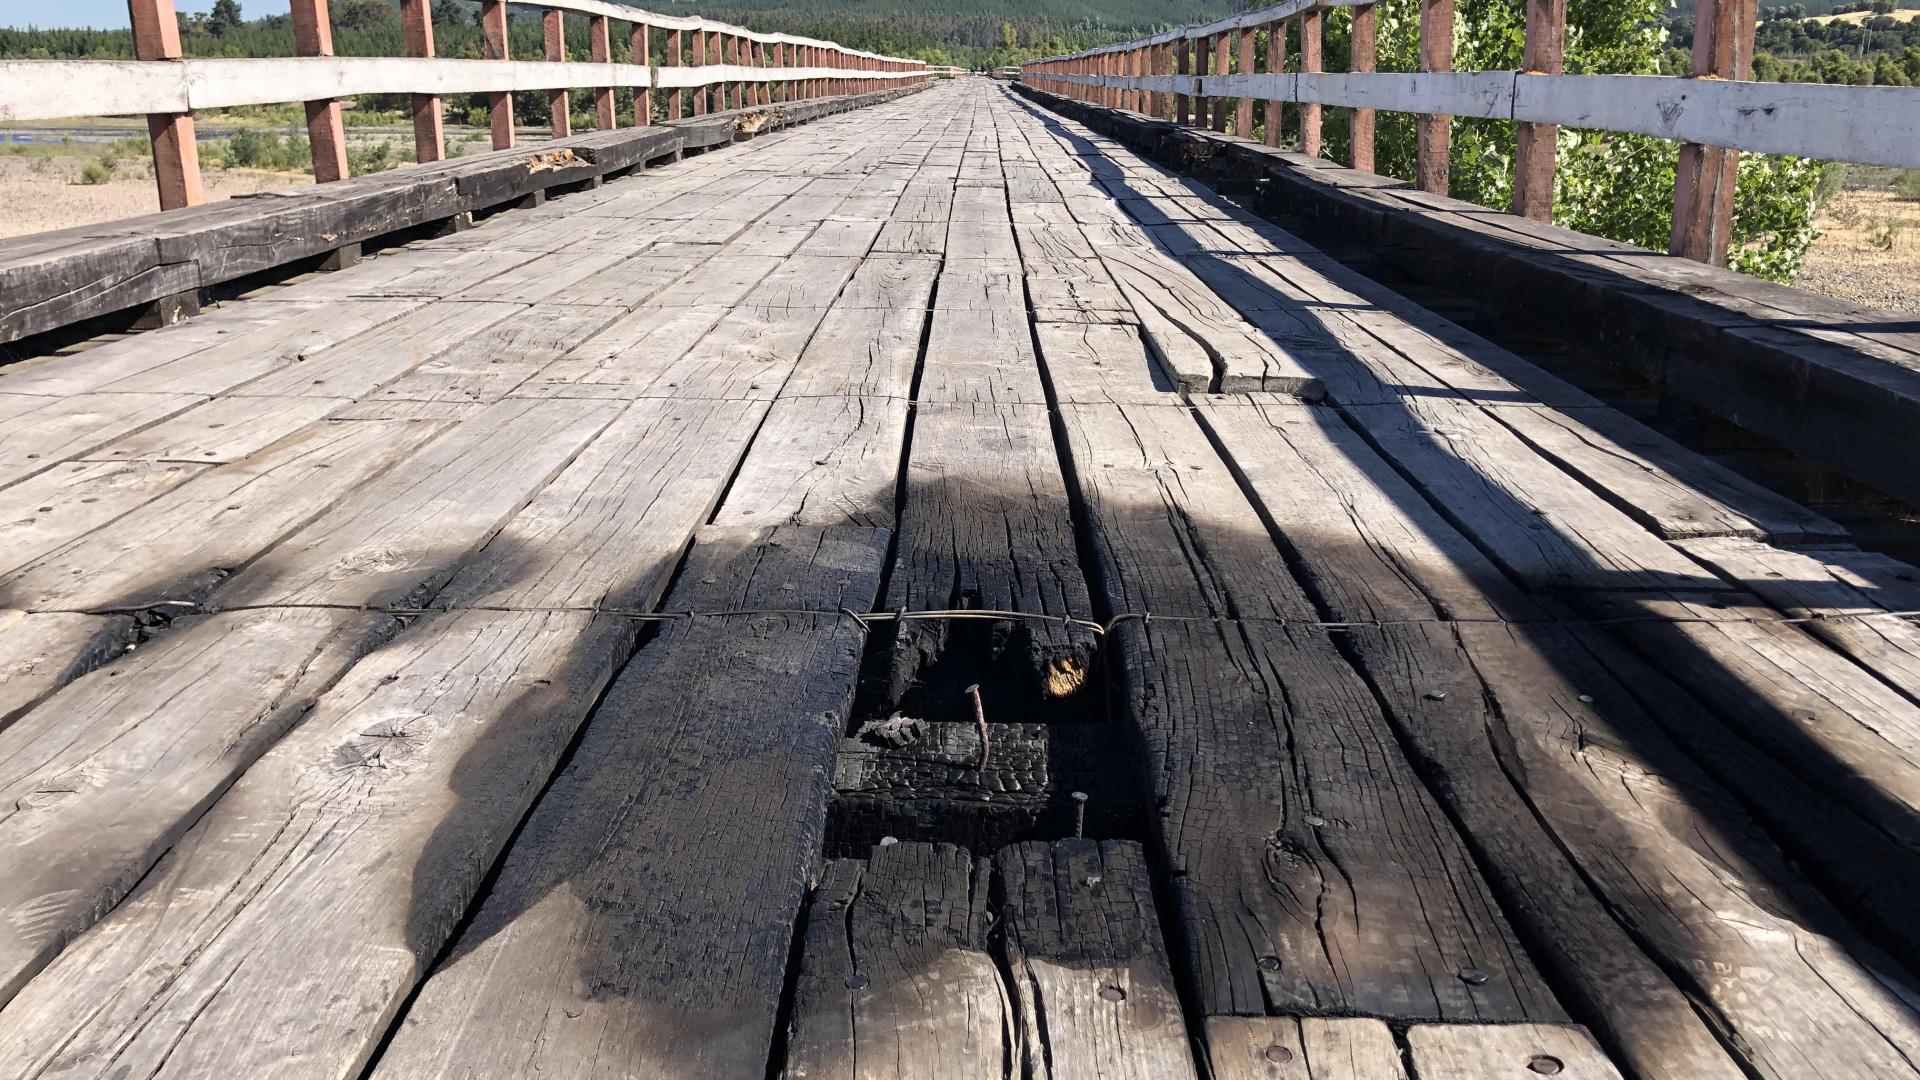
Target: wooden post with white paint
326,130
559,108
1704,177
1434,129
429,136
1364,51
600,47
176,157
493,36
1310,63
1534,144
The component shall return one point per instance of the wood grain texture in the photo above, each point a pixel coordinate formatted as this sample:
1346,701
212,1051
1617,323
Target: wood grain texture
309,900
896,980
1285,1048
657,944
40,653
1519,1051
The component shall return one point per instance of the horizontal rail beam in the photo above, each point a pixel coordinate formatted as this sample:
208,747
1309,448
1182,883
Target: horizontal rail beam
50,89
1871,125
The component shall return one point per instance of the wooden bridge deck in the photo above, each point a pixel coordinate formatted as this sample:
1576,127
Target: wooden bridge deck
1433,718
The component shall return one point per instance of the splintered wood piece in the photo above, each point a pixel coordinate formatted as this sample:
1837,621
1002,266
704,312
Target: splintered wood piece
102,777
659,941
1285,1048
895,980
179,547
1506,1052
399,538
1091,983
284,930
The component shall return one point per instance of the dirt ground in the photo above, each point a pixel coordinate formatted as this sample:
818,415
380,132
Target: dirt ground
1869,251
39,192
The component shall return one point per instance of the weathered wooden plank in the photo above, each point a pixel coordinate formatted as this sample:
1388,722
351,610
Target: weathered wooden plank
1367,544
821,461
358,367
1091,983
986,525
610,527
624,356
281,934
43,512
100,779
1095,363
895,978
1300,837
397,539
90,369
1534,519
658,945
172,552
1285,1048
221,430
36,440
489,365
302,333
1516,1051
40,653
746,356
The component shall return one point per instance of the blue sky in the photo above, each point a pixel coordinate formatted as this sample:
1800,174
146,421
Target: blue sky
106,14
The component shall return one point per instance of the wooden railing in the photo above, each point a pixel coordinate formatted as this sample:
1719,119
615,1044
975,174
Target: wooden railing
704,66
1208,75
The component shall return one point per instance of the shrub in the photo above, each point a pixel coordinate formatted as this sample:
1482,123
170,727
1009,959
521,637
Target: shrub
94,173
378,157
1907,187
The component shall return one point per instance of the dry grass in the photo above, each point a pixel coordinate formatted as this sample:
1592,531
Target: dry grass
1869,252
39,192
1898,15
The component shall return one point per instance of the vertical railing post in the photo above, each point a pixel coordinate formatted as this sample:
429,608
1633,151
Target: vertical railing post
326,132
1243,109
1222,53
699,59
1311,23
1366,25
1534,144
600,49
493,35
673,57
762,90
1435,131
1704,177
429,137
559,108
1183,61
640,50
1277,64
176,156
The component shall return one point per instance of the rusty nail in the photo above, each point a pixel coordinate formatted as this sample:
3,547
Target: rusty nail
980,718
1278,1054
1079,814
1545,1065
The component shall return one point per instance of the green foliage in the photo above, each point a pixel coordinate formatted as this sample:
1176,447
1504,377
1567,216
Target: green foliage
372,158
94,173
252,149
224,16
1907,186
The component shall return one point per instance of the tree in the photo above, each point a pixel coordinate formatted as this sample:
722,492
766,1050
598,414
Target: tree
1609,184
364,14
225,16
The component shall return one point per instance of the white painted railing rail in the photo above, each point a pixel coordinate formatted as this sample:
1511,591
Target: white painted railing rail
704,65
1714,114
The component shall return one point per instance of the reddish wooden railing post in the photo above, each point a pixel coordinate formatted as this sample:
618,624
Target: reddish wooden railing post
1534,144
732,94
1183,104
1222,49
326,132
675,55
699,59
493,34
559,108
1704,177
1243,109
176,156
640,50
1277,64
1366,25
429,137
1435,131
1311,23
600,47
